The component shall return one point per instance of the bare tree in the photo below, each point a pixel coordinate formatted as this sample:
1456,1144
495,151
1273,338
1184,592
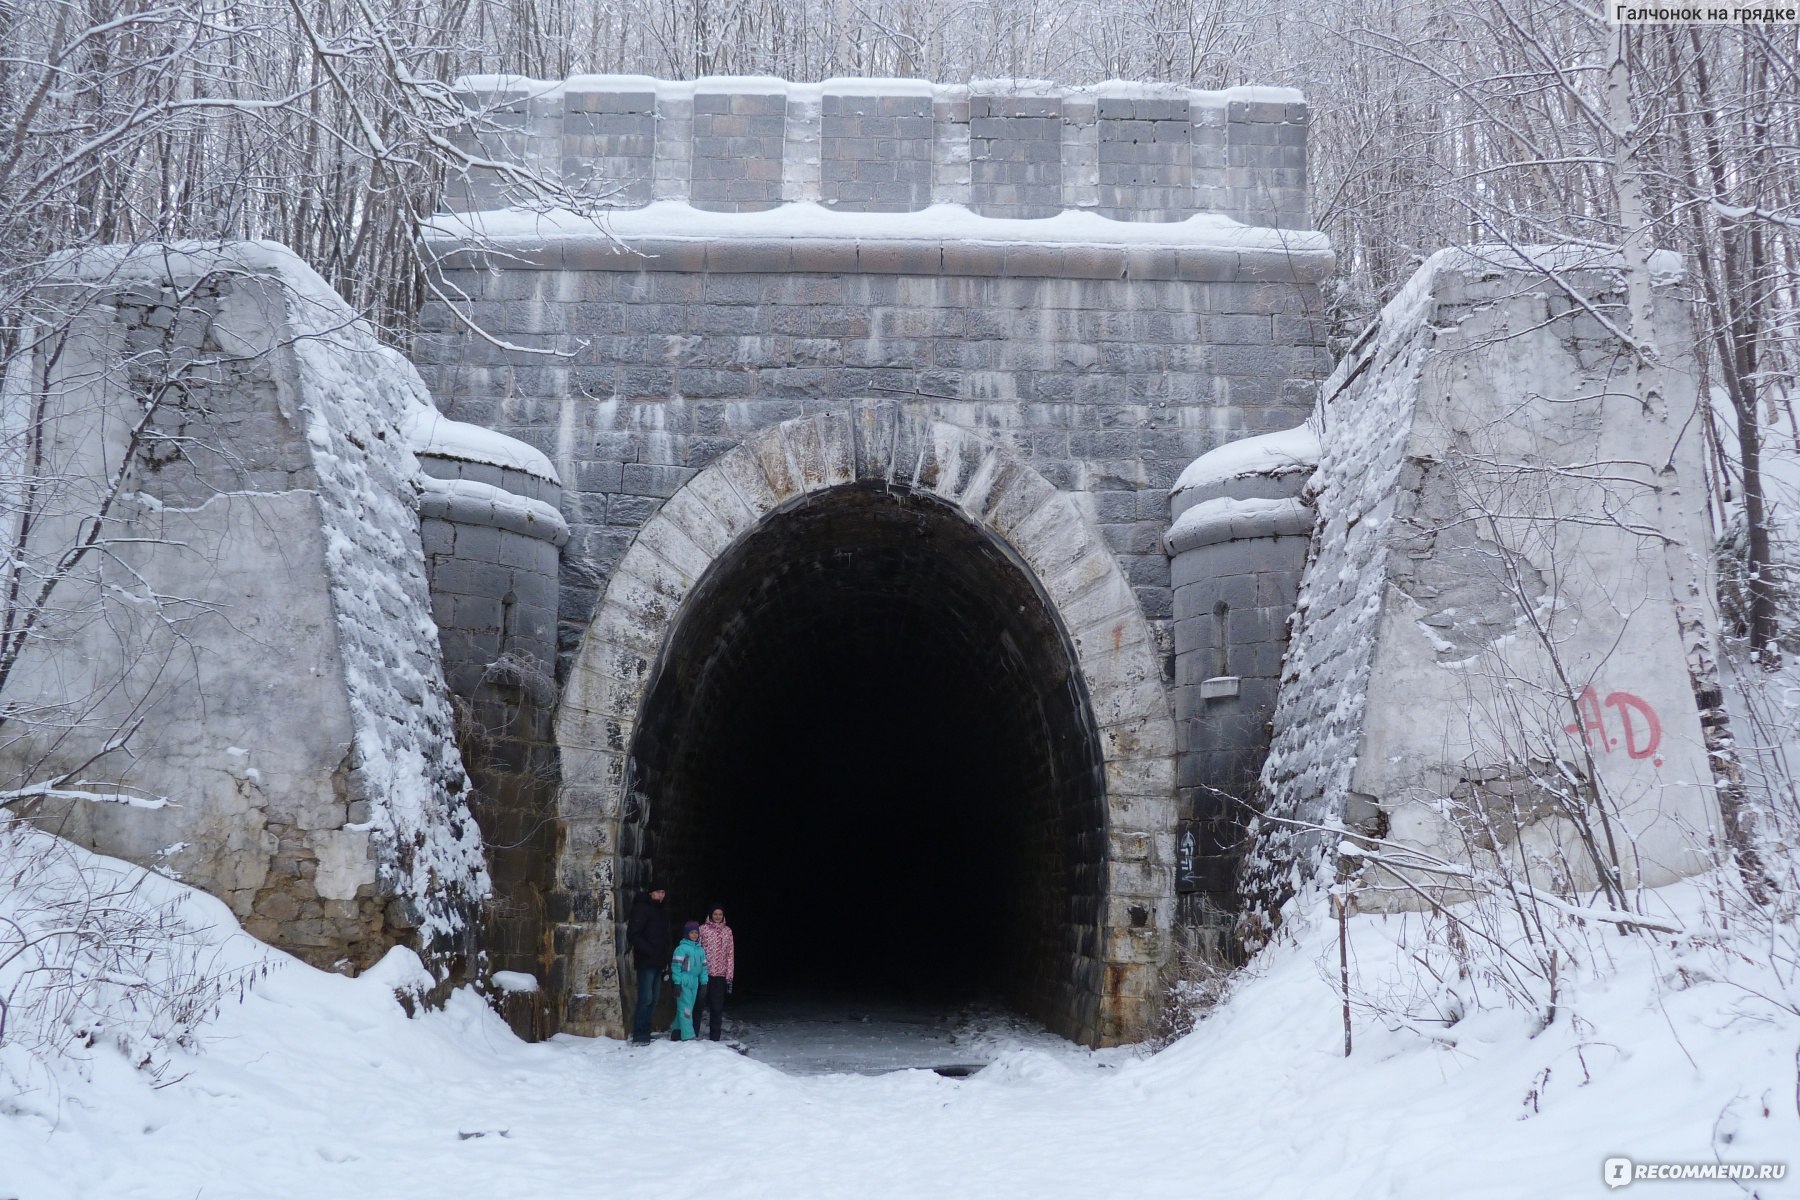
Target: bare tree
327,125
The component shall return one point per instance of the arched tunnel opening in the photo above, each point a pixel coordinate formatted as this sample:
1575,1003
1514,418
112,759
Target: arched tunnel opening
867,738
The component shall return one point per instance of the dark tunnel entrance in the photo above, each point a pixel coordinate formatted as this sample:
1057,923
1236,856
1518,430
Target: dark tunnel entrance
868,739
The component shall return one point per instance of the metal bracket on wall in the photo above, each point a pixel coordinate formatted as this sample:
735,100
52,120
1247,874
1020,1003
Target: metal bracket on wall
1219,687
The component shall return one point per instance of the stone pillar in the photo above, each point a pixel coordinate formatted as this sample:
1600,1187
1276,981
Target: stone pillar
489,518
258,628
1146,157
1015,153
1265,158
1238,544
876,149
740,137
609,140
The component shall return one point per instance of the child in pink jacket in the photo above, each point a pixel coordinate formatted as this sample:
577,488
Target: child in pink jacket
721,964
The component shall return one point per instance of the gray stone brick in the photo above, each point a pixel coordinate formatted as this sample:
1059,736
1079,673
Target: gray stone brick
642,479
1156,602
475,613
629,510
525,555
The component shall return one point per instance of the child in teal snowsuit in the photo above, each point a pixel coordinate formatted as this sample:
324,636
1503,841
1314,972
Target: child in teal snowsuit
688,971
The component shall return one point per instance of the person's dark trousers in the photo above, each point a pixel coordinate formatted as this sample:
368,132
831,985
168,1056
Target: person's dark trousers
649,987
715,1005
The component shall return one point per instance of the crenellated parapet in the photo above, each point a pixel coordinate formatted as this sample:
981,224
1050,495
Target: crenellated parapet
1018,149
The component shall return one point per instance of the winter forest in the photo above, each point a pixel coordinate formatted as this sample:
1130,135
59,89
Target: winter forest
1513,1034
327,128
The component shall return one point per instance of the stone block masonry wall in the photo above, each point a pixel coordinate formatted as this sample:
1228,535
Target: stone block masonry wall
1091,282
1148,147
492,538
1128,151
1238,545
609,138
1451,606
259,620
1107,386
737,148
876,151
1015,155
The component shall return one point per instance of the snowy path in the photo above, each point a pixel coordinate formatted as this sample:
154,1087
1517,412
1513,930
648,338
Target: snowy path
320,1087
861,1036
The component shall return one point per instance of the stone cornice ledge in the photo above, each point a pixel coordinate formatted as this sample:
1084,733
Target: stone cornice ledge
1229,520
471,502
941,240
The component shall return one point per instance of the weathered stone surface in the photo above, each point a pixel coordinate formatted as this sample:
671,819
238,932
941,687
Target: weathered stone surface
1439,671
291,705
740,145
1049,389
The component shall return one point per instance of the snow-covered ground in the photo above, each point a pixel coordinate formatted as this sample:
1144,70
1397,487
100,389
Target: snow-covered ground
869,1036
1665,1049
313,1085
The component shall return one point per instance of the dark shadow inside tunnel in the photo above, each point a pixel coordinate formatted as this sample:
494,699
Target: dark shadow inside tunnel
867,739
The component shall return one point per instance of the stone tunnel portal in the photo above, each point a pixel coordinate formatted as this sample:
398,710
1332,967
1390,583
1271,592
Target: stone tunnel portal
868,737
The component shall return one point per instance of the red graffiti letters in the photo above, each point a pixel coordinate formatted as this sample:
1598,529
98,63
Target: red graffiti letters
1638,723
1627,704
1590,723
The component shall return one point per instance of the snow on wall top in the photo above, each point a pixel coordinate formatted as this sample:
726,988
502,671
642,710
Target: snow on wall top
524,86
1493,260
470,500
1367,417
1226,518
354,393
752,143
1283,452
803,221
429,431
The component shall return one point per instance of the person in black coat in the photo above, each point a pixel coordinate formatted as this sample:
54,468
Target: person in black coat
647,933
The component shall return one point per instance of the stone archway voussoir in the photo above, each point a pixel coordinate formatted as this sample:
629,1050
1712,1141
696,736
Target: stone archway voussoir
1137,737
902,445
974,495
714,491
650,584
1054,538
820,451
1146,776
1020,495
674,548
1107,603
592,697
1096,566
959,455
699,525
1121,658
769,450
1116,702
742,468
